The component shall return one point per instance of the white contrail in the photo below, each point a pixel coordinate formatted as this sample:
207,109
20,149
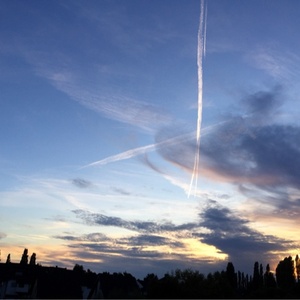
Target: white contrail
204,32
148,148
200,54
121,156
140,150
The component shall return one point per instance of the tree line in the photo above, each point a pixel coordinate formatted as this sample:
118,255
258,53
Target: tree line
228,283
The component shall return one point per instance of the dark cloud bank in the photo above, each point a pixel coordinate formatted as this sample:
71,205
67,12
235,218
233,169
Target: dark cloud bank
225,230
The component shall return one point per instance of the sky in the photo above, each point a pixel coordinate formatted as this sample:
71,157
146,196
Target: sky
98,122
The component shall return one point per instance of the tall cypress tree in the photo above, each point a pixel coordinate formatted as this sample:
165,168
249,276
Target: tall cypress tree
261,275
231,275
24,259
8,259
256,277
32,259
269,279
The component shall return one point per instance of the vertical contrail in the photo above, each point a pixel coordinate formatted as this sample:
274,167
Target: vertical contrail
200,55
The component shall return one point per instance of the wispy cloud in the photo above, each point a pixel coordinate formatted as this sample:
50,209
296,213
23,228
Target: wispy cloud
91,237
280,64
138,226
121,191
111,105
224,226
251,147
138,262
147,251
81,183
140,241
2,235
67,75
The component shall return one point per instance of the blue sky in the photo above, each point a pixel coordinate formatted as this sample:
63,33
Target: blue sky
98,116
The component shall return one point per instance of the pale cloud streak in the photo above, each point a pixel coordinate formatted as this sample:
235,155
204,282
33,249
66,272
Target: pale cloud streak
64,73
112,105
281,65
2,235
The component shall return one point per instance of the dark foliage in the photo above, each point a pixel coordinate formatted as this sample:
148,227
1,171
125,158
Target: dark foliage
32,259
8,259
54,282
24,259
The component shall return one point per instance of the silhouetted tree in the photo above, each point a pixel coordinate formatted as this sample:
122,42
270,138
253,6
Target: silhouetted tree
170,287
243,280
239,279
269,279
189,283
214,286
151,285
231,275
261,275
256,276
33,259
8,259
24,259
78,268
297,260
285,273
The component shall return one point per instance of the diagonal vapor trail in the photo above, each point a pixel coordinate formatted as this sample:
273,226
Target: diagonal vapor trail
149,148
140,150
200,55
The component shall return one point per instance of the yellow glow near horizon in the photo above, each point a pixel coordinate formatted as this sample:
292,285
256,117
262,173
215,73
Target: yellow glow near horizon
200,250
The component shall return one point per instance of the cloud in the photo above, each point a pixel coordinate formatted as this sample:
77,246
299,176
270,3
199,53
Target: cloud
71,75
138,226
182,152
278,202
234,236
250,148
263,103
138,255
279,64
159,242
227,232
2,235
140,264
111,105
91,237
103,240
258,154
121,191
266,156
152,240
81,183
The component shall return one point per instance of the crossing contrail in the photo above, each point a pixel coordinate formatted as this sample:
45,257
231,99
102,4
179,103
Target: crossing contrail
151,147
200,55
140,150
